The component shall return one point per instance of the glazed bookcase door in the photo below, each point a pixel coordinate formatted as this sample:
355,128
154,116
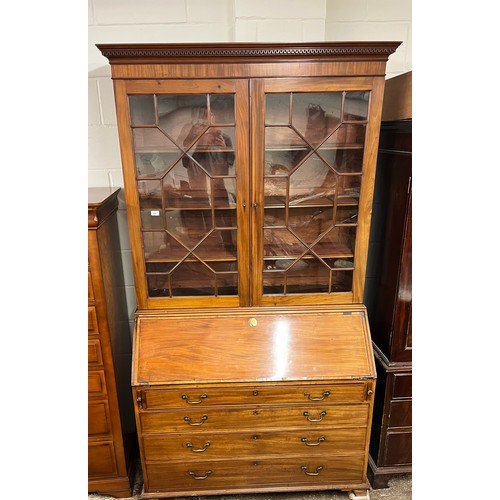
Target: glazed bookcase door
184,155
312,177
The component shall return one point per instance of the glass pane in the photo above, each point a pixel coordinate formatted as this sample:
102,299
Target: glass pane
310,223
180,115
356,106
308,275
316,115
142,110
227,284
341,281
339,242
349,189
275,191
314,180
218,245
344,161
346,215
274,217
187,186
224,192
277,109
192,278
225,219
282,243
273,282
189,226
222,108
152,219
162,247
149,194
158,285
351,134
154,152
284,150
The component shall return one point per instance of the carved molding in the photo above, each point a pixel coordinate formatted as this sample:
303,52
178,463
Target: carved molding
339,49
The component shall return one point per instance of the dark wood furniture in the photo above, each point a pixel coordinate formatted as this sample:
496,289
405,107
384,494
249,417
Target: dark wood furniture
389,301
111,430
249,189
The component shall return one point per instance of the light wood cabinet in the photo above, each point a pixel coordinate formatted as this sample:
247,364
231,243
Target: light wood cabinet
249,172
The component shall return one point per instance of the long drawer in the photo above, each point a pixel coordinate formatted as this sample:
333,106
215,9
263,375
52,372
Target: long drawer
155,399
205,475
208,446
201,420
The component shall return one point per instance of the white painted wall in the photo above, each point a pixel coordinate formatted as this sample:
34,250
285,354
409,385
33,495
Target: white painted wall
156,21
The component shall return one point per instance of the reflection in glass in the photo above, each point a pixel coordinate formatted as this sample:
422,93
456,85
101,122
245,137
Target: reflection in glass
308,275
277,109
313,180
282,243
186,178
218,244
310,223
338,242
192,278
178,113
222,108
316,115
187,187
142,110
149,194
189,226
162,246
356,106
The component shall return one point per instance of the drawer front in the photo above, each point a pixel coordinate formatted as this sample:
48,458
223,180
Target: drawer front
95,354
93,328
208,446
200,420
101,459
206,475
402,386
257,395
97,383
98,418
400,414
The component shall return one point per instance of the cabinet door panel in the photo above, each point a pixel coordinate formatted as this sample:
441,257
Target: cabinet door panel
186,179
313,155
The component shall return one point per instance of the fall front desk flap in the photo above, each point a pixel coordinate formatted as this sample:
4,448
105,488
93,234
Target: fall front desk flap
249,345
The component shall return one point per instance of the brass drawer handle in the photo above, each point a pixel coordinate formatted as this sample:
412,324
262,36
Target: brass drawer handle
321,415
319,441
325,395
199,450
318,470
194,402
199,478
201,422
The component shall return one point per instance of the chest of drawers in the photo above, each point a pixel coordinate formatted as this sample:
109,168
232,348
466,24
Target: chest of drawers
111,429
283,403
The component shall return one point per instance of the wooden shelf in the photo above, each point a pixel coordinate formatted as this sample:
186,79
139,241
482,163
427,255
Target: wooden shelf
279,202
305,147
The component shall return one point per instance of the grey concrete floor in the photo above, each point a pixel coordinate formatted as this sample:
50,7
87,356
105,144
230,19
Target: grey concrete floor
399,489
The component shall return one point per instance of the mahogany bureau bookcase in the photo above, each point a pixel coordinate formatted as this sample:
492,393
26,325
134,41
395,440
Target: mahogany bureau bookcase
111,429
248,172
